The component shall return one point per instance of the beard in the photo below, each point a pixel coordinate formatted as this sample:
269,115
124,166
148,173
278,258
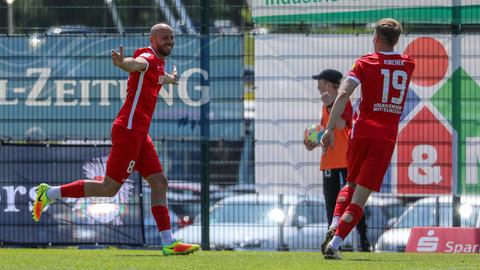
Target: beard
163,51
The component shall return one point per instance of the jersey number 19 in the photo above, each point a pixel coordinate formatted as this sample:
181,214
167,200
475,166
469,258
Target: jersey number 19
399,82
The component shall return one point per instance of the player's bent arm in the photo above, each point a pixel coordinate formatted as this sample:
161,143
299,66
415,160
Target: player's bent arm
344,92
130,64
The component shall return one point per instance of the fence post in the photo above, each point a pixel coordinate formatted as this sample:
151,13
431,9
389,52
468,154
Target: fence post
11,26
205,127
281,224
456,107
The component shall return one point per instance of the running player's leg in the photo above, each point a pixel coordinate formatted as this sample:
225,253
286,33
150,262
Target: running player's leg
370,178
343,200
46,194
362,230
150,168
355,154
351,216
121,161
126,146
362,224
349,219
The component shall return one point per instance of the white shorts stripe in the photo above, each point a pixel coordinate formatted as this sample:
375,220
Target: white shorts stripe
135,100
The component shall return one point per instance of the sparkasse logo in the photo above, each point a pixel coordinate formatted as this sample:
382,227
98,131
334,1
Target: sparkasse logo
444,240
428,243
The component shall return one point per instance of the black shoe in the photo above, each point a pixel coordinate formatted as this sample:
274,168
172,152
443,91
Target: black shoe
365,246
332,254
328,237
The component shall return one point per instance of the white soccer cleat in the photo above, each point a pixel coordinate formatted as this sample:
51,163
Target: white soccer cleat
332,254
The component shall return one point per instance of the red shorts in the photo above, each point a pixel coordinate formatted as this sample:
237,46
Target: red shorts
368,160
131,150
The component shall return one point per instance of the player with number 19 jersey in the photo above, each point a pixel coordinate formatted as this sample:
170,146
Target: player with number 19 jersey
384,78
383,94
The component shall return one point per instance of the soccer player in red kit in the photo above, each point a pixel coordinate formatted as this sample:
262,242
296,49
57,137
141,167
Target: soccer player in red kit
384,77
132,147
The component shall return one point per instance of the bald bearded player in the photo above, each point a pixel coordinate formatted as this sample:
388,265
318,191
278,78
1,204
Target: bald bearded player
132,148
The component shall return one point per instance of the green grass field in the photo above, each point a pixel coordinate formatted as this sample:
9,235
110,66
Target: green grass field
19,259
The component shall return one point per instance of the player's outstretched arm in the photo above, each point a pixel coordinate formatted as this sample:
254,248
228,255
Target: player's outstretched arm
344,92
128,64
171,78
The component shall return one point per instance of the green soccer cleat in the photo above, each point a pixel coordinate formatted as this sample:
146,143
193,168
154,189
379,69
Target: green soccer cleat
179,248
41,201
328,237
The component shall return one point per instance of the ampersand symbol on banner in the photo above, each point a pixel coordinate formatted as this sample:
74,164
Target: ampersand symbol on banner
421,170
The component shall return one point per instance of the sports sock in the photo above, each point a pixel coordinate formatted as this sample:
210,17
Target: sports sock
344,227
162,218
167,237
336,242
335,221
54,193
343,200
73,190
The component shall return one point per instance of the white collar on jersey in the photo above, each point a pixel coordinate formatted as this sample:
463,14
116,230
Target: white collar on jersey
389,53
150,47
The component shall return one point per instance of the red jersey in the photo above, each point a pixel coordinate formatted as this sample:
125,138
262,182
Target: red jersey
142,92
384,79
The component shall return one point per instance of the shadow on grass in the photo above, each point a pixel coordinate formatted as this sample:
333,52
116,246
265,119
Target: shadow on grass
376,259
361,260
140,255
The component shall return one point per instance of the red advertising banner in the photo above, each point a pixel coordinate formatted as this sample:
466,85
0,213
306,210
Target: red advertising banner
424,156
444,240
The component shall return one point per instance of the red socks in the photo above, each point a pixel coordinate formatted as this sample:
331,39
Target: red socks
343,200
160,213
73,190
344,227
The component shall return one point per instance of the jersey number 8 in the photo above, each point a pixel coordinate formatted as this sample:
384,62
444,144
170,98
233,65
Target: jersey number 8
131,165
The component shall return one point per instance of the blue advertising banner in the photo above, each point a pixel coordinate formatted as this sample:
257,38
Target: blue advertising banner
115,220
66,87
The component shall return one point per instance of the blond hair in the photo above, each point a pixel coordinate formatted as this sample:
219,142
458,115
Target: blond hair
388,30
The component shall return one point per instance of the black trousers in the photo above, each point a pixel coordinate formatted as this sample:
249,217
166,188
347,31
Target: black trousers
333,181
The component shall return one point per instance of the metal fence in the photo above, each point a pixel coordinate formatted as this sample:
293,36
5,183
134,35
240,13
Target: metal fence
230,135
